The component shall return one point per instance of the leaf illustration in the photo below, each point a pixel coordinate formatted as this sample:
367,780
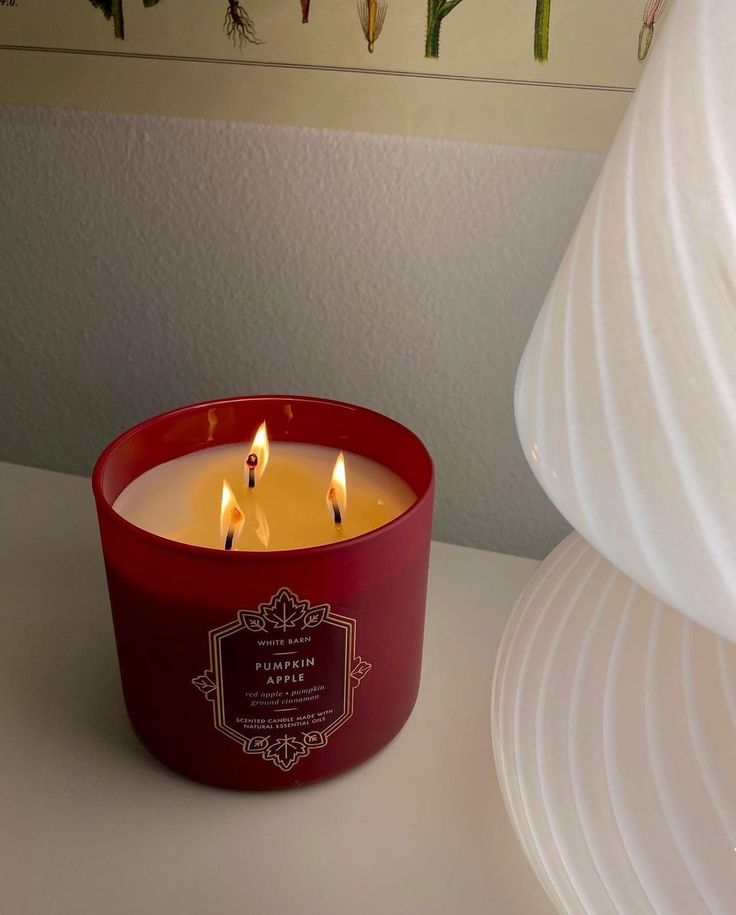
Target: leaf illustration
286,752
541,30
205,683
255,744
285,610
652,11
113,9
314,739
436,12
360,669
254,622
372,15
314,616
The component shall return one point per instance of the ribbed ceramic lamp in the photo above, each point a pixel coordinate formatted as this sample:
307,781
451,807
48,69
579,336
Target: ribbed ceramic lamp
614,716
626,395
614,732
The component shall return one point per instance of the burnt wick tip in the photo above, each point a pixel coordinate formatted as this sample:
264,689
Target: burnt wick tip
252,463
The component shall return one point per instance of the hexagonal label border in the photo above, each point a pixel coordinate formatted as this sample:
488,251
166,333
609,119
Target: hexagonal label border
283,612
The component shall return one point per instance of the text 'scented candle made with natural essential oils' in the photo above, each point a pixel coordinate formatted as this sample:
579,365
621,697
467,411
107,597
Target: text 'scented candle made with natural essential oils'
267,564
287,509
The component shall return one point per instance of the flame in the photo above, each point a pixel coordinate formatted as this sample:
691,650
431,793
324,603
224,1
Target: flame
263,531
212,424
232,517
337,494
259,447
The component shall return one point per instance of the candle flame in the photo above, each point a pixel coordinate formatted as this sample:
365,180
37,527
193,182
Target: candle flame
257,460
263,531
337,494
212,424
232,517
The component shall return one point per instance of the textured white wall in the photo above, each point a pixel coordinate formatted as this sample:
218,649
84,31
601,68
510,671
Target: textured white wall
146,263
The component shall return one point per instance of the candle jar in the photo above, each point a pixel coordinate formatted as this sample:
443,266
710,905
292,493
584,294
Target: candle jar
257,669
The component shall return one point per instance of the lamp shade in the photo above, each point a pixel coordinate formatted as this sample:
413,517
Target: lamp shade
613,730
626,394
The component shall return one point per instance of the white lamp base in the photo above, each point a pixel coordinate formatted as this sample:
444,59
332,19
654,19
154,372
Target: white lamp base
614,731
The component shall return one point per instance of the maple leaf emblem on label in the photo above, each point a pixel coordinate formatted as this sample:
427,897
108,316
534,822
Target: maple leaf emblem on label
286,752
284,610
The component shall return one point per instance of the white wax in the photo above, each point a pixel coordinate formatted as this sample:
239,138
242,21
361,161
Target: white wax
288,508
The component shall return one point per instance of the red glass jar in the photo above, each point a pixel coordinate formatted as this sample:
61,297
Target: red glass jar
195,627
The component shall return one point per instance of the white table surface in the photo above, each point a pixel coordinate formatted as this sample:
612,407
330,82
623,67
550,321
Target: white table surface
90,823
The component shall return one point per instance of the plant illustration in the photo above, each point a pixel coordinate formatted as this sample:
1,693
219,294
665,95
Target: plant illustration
305,10
113,9
238,25
205,683
372,15
286,751
652,11
541,30
360,669
436,12
284,611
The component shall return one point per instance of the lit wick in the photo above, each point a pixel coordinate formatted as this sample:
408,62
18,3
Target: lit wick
257,459
332,498
232,517
252,463
236,523
337,492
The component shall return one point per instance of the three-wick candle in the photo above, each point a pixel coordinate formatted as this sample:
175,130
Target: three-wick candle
288,508
267,596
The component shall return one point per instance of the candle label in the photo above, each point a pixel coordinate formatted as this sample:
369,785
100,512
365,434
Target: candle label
282,678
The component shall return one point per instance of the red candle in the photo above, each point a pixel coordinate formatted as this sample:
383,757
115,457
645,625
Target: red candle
267,669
